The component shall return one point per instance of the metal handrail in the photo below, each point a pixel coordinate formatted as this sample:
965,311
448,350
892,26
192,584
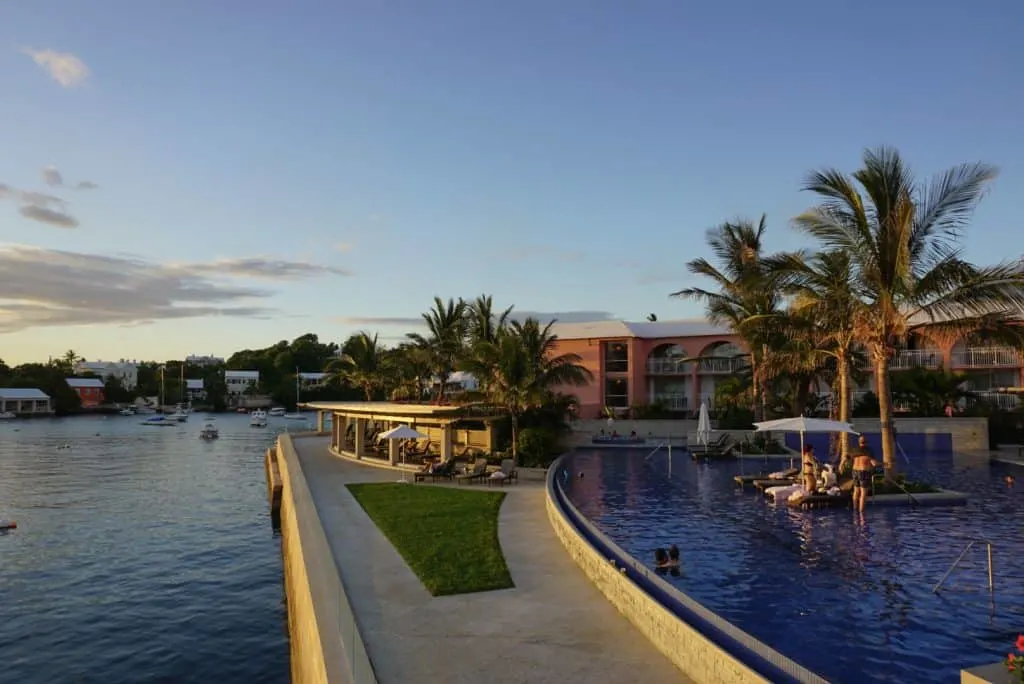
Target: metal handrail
970,545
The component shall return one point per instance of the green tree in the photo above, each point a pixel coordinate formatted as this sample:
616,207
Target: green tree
114,391
445,339
483,324
360,364
903,240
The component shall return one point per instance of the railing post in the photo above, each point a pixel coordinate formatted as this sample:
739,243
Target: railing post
991,582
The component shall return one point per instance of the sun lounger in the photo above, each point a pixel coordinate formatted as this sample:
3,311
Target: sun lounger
508,474
787,474
717,447
440,471
478,471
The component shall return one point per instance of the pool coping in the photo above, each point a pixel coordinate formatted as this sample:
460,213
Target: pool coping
675,623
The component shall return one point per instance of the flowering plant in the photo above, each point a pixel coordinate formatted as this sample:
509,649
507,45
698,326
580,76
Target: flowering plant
1015,661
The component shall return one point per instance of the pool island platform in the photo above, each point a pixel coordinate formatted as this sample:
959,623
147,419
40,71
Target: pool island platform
358,613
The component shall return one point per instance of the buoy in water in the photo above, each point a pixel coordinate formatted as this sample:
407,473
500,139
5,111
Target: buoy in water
8,525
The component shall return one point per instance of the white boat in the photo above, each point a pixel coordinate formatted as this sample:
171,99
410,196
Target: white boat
295,416
7,415
127,412
209,431
277,412
159,421
258,418
179,416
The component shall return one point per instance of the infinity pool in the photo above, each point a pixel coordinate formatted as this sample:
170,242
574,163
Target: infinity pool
846,596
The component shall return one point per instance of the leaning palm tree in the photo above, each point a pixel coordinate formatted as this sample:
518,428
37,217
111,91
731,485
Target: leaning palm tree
409,368
360,363
445,338
483,323
903,241
744,298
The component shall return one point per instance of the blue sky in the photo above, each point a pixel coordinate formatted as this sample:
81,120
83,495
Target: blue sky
565,157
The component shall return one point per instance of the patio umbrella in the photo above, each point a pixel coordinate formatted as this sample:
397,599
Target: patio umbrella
802,424
704,425
402,432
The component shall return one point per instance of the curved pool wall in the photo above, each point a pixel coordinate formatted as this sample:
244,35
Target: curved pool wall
704,646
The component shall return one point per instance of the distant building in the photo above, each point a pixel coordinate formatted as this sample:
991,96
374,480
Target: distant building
127,372
312,380
195,388
89,390
204,360
22,401
238,381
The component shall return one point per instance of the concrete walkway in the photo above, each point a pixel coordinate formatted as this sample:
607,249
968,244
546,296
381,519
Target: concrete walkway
554,626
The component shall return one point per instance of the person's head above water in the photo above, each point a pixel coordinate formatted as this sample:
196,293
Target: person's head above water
673,552
862,441
660,557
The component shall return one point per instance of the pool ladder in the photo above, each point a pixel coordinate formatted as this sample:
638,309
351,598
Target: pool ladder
970,545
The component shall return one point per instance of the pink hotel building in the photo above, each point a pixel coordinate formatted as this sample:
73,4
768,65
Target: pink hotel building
642,363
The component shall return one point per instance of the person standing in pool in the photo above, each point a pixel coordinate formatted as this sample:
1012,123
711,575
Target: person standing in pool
863,467
810,465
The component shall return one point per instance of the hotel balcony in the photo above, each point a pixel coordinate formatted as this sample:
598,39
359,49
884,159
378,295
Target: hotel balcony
718,365
987,357
672,402
668,367
916,358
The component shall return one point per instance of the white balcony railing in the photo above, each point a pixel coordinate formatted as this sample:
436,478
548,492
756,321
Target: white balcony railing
668,367
717,365
916,358
1004,357
672,402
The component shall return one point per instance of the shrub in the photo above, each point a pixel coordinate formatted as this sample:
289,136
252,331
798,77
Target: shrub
537,446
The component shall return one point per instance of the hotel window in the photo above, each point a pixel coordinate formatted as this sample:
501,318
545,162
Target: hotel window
616,357
616,393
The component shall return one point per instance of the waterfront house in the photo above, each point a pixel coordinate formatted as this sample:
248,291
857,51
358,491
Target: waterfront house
195,389
127,372
89,390
679,364
25,401
238,381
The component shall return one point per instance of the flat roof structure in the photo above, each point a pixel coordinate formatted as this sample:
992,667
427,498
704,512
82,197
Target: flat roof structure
384,410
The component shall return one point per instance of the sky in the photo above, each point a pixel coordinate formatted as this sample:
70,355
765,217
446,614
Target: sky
202,177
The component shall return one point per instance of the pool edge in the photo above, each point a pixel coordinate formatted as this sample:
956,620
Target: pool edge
705,647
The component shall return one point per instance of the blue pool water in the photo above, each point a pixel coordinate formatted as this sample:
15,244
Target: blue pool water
142,554
846,596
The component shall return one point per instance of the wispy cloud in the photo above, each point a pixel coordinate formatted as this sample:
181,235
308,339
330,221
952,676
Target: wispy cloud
387,321
54,217
264,268
40,206
577,316
65,68
52,177
86,185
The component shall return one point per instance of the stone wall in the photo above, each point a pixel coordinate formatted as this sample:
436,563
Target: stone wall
689,649
325,644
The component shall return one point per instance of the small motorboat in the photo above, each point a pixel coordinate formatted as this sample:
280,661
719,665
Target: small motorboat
294,416
127,412
258,418
277,412
7,415
159,421
8,525
209,431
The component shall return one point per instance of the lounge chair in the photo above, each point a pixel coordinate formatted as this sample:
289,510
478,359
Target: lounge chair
418,453
508,473
719,446
751,479
478,471
440,471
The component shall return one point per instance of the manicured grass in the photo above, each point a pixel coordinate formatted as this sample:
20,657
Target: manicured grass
448,537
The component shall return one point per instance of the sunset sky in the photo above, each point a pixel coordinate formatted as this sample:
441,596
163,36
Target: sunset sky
200,177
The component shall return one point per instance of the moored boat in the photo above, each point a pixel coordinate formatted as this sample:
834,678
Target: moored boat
258,418
209,431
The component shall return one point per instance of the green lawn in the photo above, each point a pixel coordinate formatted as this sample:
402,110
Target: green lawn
448,537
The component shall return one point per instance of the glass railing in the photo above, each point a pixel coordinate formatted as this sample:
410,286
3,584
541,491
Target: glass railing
987,356
668,367
672,402
717,365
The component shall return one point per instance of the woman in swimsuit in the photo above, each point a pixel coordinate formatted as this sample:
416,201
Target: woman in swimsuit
809,465
863,467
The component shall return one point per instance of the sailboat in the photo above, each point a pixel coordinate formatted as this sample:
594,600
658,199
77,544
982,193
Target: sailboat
159,420
297,415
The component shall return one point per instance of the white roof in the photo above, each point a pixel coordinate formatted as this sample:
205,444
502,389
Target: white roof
81,383
25,393
193,383
254,374
697,327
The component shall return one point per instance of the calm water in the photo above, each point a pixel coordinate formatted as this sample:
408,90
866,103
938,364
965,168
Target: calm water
848,597
142,554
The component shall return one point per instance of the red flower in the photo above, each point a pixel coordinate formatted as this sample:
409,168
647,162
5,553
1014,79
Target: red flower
1020,642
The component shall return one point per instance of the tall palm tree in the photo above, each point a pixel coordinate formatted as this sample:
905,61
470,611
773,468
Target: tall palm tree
484,325
903,241
822,293
520,369
445,338
360,363
409,367
744,298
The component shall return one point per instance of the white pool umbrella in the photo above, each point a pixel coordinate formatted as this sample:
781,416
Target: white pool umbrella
704,425
802,424
402,432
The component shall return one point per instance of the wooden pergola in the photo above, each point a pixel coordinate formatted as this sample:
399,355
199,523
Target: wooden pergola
360,414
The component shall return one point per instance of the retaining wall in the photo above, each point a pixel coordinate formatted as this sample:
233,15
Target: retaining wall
326,647
705,647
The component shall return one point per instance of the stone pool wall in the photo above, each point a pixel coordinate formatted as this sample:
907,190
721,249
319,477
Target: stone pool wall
690,649
325,644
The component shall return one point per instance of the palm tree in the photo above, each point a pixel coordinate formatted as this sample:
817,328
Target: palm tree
520,369
745,297
483,325
359,363
903,241
822,290
409,367
446,335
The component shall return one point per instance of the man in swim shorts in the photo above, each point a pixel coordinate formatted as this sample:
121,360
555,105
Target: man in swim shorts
863,468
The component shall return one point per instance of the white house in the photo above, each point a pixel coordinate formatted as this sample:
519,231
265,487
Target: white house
204,360
24,401
312,379
237,381
195,389
125,371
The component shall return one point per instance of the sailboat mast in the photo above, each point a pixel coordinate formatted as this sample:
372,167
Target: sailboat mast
162,368
182,382
296,389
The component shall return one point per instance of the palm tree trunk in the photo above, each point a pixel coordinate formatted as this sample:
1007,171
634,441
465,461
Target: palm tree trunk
755,388
515,439
843,371
885,409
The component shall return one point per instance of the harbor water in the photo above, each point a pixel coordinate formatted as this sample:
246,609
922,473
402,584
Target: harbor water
142,554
